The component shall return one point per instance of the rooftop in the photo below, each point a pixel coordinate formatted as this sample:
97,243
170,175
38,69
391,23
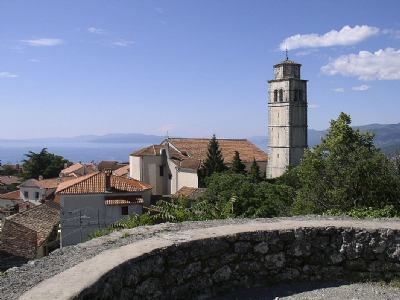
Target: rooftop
13,196
150,150
41,219
8,180
196,148
123,171
50,183
95,183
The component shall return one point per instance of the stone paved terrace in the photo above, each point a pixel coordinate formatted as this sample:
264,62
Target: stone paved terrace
203,259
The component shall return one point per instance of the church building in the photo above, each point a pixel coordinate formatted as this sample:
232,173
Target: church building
287,118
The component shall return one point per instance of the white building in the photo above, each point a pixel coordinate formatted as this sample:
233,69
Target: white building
97,200
287,118
37,191
174,163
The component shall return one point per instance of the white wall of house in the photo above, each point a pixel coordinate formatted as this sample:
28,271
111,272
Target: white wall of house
81,215
135,167
188,178
33,194
147,169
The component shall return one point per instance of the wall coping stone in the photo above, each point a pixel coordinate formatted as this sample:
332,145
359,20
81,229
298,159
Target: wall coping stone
71,282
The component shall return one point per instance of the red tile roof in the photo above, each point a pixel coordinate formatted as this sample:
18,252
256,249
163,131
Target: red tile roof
95,183
189,192
123,171
150,150
50,183
41,219
13,196
124,200
72,168
197,149
8,180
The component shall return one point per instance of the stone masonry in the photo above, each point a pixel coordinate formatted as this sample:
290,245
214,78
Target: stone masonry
204,262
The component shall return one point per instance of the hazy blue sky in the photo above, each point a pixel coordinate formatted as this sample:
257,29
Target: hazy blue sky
191,67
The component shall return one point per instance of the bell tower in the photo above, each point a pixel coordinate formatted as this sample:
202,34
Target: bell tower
287,117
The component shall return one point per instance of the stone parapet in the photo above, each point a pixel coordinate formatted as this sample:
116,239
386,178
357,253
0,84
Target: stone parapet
204,262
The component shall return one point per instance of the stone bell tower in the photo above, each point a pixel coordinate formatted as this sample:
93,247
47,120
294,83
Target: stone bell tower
287,118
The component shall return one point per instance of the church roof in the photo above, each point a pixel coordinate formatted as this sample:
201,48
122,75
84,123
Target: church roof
196,148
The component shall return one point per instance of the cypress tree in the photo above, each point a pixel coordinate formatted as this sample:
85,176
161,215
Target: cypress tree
237,165
214,162
254,173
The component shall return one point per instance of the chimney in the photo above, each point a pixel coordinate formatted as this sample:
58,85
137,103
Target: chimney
40,177
108,173
65,165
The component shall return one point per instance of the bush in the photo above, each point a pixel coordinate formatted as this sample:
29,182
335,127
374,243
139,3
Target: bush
388,211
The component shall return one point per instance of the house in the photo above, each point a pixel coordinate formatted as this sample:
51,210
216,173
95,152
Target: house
123,171
32,233
9,204
39,190
97,200
78,169
175,162
8,183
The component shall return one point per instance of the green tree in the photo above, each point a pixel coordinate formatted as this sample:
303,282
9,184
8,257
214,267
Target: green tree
237,165
254,173
345,171
43,164
250,199
7,170
214,162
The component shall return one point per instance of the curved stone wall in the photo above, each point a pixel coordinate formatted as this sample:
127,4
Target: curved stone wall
201,263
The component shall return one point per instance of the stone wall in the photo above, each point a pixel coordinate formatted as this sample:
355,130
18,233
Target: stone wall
206,267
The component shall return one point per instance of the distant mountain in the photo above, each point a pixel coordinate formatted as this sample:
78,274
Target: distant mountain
131,138
387,137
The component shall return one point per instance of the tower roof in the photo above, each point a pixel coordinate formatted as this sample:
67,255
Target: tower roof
287,61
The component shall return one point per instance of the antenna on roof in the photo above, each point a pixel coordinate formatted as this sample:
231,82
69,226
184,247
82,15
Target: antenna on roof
286,52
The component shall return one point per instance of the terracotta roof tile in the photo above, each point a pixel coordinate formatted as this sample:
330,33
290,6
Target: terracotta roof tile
50,183
13,196
123,171
72,168
41,219
96,184
150,150
109,164
197,149
8,180
189,192
124,201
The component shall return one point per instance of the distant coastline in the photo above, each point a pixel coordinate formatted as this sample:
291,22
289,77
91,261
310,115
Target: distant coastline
117,147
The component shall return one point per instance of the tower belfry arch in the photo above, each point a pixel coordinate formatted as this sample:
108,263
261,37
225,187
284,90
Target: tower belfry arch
287,117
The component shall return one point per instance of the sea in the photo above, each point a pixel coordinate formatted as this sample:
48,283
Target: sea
14,152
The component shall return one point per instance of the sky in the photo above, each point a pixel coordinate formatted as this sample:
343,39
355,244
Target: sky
190,68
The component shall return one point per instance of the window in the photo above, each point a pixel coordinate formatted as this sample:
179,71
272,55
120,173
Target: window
161,171
124,210
36,195
281,95
296,95
275,95
26,195
300,95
